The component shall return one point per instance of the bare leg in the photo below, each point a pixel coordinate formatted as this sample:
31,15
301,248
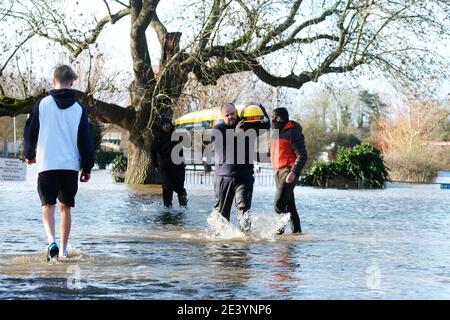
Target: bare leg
48,218
66,223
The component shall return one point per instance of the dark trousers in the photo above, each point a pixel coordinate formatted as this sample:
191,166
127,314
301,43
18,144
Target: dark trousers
284,198
241,190
173,180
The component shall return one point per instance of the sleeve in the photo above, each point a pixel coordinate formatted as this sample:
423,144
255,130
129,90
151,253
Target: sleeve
297,141
217,127
85,142
154,151
31,133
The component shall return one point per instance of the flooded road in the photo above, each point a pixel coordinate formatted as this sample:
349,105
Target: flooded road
357,244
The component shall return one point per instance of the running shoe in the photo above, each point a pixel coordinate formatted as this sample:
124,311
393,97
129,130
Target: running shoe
52,251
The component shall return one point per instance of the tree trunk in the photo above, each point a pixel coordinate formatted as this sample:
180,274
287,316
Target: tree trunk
152,100
140,169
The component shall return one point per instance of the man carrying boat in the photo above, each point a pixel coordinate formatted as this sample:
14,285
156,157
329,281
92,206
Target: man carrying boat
234,150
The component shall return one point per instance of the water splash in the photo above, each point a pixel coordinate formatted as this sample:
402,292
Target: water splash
221,229
265,226
74,253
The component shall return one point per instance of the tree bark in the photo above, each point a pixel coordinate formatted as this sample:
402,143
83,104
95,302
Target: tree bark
140,169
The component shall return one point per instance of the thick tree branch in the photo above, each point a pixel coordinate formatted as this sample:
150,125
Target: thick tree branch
12,107
107,112
262,49
102,111
159,28
297,81
246,62
142,13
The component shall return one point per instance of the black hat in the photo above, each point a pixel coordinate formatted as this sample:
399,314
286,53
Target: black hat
165,120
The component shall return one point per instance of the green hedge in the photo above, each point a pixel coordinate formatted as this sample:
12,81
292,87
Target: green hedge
363,162
103,158
119,168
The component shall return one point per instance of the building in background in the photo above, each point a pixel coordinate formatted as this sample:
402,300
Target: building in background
114,139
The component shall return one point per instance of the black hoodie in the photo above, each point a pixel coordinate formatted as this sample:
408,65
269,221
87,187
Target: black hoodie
161,151
64,98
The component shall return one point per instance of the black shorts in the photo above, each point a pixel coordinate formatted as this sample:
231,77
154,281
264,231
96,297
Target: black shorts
61,184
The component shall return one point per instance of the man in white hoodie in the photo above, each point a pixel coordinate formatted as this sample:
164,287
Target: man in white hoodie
58,138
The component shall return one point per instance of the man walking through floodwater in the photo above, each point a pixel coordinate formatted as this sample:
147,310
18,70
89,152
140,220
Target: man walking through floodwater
234,163
288,156
172,174
58,138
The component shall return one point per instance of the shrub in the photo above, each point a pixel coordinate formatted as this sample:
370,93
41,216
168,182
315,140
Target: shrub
341,139
360,163
103,158
406,140
363,162
119,167
320,172
418,166
119,163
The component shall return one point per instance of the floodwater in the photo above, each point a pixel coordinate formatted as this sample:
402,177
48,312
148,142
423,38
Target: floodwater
357,244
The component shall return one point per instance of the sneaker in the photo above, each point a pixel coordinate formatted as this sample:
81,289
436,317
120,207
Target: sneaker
52,251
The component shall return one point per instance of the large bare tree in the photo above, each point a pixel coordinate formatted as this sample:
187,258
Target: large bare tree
283,42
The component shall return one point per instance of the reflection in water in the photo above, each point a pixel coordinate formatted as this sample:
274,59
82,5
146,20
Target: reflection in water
175,218
229,266
285,270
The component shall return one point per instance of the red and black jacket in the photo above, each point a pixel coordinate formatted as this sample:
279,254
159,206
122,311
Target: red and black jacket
287,148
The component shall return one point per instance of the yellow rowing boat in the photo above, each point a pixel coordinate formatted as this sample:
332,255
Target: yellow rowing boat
208,118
